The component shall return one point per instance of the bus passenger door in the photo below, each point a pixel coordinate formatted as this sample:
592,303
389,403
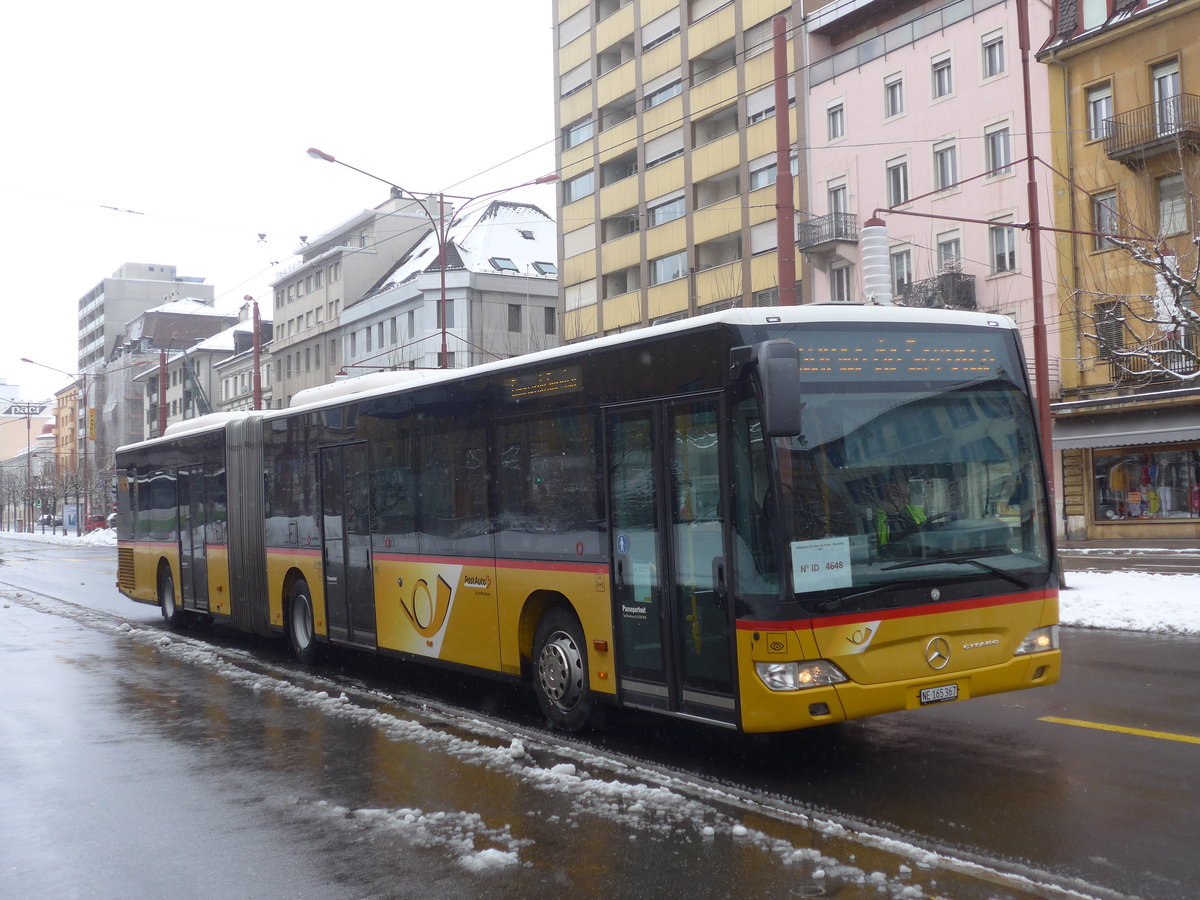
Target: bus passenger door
346,544
193,555
672,620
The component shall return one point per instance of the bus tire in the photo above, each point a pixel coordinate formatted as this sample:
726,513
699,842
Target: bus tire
560,671
301,633
168,602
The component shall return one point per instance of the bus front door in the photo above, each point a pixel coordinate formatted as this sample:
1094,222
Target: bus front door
672,620
346,540
193,551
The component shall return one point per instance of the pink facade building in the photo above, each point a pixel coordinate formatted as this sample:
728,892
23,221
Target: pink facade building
918,108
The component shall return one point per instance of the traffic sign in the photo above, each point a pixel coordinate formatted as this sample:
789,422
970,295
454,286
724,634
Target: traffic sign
25,409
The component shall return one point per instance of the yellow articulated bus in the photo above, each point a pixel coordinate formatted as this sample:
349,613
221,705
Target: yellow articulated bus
766,519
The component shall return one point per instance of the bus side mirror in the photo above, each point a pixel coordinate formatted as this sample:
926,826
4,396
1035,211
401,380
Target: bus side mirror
779,378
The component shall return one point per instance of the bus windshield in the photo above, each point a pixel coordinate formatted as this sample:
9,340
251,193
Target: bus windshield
918,467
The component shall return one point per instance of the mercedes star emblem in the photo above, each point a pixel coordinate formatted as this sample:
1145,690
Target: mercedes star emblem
937,653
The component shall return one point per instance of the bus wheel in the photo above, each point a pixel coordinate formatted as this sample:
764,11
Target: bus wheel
560,671
166,598
300,624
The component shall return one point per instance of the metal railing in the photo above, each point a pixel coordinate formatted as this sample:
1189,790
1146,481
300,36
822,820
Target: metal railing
949,289
826,229
1153,128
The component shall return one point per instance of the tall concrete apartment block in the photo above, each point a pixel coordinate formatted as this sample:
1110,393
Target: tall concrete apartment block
106,309
667,154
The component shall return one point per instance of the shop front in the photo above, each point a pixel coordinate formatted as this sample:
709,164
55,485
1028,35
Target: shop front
1131,466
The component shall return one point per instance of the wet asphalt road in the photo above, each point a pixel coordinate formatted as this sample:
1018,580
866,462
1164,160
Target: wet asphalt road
132,765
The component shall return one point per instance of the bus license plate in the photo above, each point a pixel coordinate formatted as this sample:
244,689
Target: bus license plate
939,694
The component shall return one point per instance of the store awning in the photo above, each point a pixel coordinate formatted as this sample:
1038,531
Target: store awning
1130,429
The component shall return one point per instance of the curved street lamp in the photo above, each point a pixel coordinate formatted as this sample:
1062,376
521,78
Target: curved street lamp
438,224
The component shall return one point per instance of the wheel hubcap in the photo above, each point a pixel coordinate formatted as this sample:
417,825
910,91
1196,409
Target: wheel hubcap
301,621
560,671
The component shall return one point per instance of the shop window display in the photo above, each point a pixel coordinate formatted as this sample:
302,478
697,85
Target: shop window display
1152,484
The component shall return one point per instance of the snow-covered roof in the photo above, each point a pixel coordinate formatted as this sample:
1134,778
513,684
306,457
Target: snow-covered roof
501,237
223,340
188,306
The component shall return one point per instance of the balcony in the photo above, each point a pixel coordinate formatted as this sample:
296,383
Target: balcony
949,290
1164,126
820,234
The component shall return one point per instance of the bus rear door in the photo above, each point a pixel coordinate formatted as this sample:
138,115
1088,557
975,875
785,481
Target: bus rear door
672,621
346,538
193,550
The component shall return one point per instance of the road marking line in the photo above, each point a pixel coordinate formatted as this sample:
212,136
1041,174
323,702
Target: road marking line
1140,732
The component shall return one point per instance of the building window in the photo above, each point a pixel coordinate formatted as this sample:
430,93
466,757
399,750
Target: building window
835,121
367,339
503,264
997,150
316,355
897,182
901,272
545,268
893,96
1002,241
837,197
663,94
1104,219
514,317
993,55
551,321
1099,110
943,77
839,284
945,166
318,278
763,177
579,187
1110,328
575,134
667,212
1094,12
1149,484
949,250
1168,112
668,268
1172,204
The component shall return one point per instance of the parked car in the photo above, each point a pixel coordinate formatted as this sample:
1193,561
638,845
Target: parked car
50,519
95,522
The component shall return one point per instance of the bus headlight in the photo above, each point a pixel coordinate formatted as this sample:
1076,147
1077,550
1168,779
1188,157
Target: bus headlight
795,676
1038,641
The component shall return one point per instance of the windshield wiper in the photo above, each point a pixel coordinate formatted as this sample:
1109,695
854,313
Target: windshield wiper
838,602
966,559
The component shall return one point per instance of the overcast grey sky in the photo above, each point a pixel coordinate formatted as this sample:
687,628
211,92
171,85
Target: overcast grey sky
162,132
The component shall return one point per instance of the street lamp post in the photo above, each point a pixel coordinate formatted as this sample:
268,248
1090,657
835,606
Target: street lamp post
438,224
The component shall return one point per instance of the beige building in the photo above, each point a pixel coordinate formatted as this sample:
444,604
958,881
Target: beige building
105,310
1125,109
667,156
334,271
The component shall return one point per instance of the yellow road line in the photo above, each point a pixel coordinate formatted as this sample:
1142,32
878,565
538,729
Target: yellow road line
1140,732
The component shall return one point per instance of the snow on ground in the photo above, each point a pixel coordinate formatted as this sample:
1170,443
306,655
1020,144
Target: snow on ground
1122,601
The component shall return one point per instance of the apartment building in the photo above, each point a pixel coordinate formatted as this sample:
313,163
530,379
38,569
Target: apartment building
500,296
915,115
1125,109
332,272
107,308
667,155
